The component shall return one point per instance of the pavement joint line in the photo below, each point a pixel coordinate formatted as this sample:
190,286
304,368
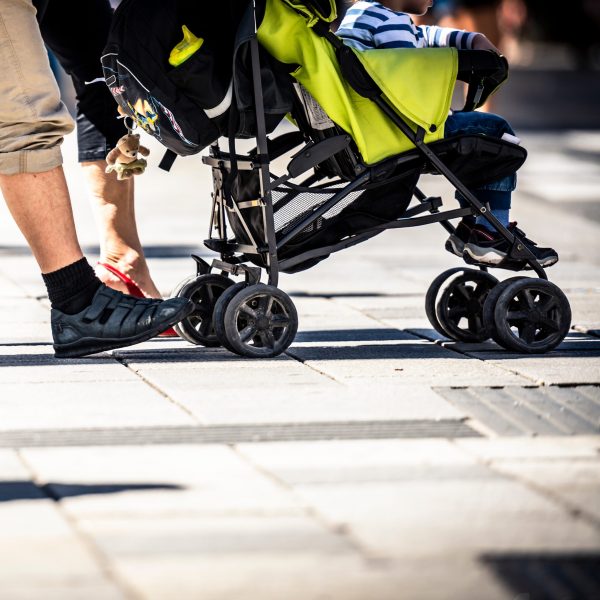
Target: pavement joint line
101,559
341,530
290,352
496,466
156,388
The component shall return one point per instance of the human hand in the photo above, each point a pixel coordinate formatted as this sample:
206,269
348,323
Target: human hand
480,42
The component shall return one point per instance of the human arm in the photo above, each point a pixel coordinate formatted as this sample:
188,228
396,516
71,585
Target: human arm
447,37
480,42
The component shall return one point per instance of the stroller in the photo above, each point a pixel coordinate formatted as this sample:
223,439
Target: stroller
362,142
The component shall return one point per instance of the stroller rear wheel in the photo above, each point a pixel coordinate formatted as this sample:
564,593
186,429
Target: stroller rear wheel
457,312
219,313
260,321
531,316
203,291
175,291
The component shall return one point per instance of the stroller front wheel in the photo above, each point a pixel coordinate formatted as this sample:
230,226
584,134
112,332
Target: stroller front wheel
460,306
531,315
454,303
260,321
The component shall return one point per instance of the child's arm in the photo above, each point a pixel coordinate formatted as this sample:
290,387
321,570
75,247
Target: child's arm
446,37
480,42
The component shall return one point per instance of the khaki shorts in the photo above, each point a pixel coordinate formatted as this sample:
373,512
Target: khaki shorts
33,120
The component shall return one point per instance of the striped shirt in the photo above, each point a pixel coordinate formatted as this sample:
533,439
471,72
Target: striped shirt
368,24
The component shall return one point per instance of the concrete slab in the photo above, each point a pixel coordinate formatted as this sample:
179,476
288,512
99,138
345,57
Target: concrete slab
115,403
166,481
457,501
40,550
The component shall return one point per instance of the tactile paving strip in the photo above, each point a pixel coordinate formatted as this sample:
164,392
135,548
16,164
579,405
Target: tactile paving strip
237,434
520,411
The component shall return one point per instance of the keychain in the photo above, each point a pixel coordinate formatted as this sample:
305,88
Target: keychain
123,159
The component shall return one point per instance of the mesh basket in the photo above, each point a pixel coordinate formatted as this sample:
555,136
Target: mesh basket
291,205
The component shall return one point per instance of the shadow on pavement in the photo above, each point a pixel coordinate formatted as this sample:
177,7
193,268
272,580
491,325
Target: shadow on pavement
26,490
551,576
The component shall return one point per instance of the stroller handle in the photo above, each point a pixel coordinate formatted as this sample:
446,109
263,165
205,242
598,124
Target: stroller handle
484,71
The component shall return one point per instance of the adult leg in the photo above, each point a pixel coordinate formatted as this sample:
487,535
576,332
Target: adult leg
41,207
120,246
98,130
86,316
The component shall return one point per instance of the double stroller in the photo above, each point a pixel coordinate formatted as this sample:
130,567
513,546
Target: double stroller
367,125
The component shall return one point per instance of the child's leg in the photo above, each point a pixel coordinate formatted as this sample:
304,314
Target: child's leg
496,193
483,244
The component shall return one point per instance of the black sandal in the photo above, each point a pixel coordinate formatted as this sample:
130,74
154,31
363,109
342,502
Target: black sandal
114,320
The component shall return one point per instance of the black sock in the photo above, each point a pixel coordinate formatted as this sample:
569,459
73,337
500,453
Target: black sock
72,288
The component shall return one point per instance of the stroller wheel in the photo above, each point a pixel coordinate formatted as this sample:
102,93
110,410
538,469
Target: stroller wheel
490,304
531,316
204,291
260,321
459,309
219,313
175,291
432,296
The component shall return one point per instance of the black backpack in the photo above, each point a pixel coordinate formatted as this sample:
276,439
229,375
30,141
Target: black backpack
185,107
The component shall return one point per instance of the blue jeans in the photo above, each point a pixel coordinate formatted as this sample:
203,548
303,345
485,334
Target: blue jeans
496,193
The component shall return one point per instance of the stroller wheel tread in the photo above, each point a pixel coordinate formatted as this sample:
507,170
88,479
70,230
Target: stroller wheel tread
260,321
219,313
432,296
490,304
175,291
204,291
531,316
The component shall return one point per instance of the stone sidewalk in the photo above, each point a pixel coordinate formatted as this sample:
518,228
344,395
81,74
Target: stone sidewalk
373,460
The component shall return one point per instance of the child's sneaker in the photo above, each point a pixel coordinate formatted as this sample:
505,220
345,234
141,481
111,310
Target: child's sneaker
456,242
490,248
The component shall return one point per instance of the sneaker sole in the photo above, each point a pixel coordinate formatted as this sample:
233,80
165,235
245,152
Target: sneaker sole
491,257
455,246
487,256
88,346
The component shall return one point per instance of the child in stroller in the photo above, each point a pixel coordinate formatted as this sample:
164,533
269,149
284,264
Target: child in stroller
364,139
386,24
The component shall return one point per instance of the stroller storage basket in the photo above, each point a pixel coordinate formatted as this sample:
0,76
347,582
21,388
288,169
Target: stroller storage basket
359,210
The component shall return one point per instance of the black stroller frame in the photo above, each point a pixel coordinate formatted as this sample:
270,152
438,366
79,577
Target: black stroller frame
529,315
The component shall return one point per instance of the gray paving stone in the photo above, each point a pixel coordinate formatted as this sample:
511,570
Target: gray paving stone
115,403
409,361
158,480
305,577
576,481
458,503
580,447
39,549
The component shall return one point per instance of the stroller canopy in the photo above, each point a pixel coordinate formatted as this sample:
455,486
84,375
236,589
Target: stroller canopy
417,83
